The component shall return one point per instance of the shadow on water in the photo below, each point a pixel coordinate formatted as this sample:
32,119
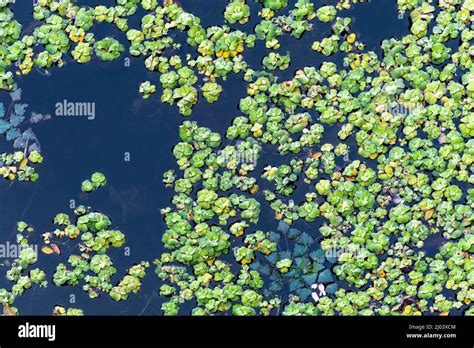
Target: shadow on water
146,130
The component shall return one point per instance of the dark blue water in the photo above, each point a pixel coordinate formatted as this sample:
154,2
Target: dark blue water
75,147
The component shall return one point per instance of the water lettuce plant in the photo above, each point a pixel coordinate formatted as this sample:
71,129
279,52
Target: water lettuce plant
17,166
373,157
97,180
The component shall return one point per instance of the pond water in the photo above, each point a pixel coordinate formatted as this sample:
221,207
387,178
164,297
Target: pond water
125,125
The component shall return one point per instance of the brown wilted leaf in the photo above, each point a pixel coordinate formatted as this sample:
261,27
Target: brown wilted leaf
24,162
254,189
55,248
429,214
57,310
47,250
7,311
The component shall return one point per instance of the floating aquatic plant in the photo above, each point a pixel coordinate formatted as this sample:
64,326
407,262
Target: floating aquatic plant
396,180
237,11
274,4
108,49
97,180
326,13
61,311
16,166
